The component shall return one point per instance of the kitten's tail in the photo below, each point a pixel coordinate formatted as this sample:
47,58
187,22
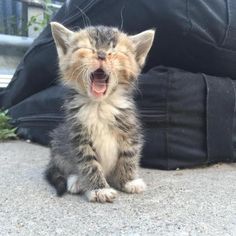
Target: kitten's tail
56,178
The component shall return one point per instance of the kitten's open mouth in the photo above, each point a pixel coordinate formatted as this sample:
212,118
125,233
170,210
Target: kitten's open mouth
99,81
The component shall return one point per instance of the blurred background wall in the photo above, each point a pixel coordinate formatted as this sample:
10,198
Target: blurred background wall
26,17
20,22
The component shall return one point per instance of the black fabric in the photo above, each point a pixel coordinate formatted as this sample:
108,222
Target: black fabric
187,120
39,114
179,140
220,114
197,36
181,113
188,113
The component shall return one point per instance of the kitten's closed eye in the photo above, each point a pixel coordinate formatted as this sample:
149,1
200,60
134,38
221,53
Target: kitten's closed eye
83,48
121,52
93,48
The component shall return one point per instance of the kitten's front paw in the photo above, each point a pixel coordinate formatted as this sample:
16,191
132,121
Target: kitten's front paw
101,195
135,186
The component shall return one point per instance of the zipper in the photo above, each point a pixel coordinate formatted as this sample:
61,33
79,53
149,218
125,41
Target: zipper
147,115
37,120
152,116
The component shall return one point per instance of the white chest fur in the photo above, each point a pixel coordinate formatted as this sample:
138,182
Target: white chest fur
98,119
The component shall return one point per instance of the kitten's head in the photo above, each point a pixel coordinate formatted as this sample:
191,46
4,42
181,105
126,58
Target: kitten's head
96,61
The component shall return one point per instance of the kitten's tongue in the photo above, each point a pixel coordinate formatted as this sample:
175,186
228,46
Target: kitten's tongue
99,87
99,83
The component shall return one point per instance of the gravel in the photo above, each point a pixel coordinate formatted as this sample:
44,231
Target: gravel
199,201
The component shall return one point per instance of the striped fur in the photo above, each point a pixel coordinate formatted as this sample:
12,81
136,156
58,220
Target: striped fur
98,147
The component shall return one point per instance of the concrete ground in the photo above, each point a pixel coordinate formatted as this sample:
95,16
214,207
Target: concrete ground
199,201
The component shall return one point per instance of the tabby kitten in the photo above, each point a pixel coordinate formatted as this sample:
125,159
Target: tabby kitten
99,144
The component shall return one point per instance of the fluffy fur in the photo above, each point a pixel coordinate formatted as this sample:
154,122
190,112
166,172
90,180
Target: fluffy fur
98,146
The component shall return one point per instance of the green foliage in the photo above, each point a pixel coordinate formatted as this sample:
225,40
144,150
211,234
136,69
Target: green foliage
39,24
20,25
6,130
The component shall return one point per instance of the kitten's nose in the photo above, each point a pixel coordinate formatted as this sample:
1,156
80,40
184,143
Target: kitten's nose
101,55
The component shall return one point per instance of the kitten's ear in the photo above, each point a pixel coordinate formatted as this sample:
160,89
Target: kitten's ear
61,37
143,42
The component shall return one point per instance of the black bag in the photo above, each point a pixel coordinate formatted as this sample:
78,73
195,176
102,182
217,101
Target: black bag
189,36
188,118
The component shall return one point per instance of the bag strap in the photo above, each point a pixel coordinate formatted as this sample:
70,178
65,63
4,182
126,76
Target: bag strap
220,111
229,40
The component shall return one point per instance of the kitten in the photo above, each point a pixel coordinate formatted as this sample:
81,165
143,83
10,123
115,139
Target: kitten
99,144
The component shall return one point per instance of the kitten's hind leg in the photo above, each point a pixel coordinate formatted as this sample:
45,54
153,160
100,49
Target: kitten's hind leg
56,178
73,184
